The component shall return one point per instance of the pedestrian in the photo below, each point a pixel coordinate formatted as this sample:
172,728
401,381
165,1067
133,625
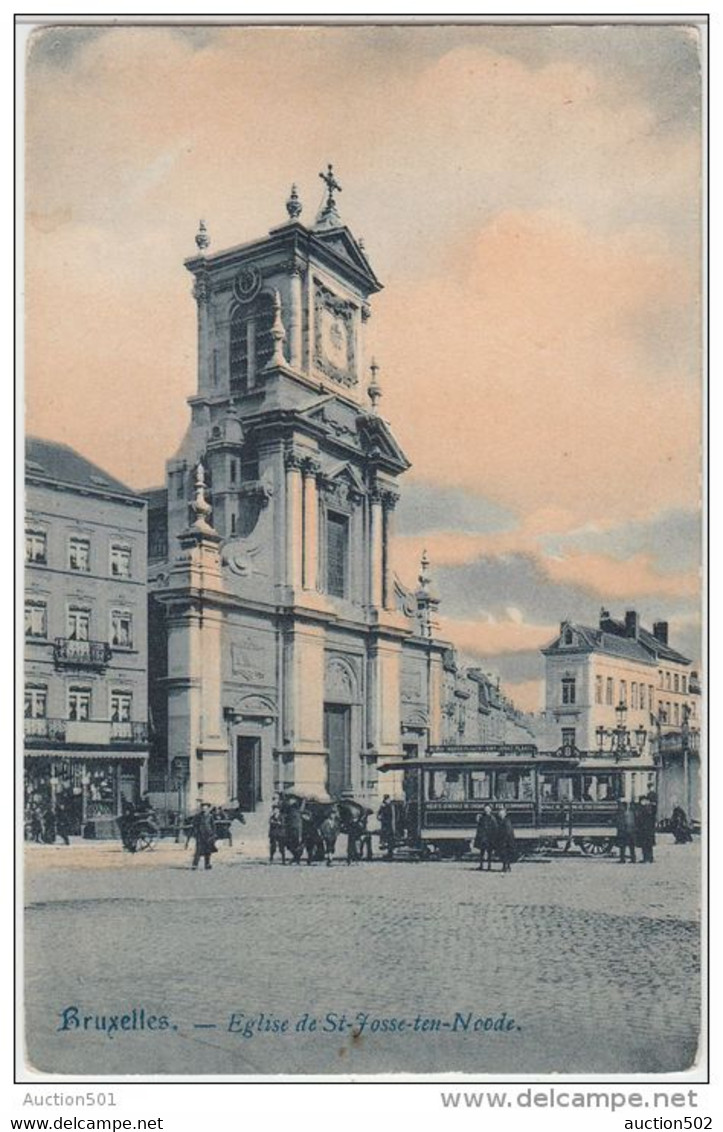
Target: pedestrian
204,833
626,831
36,823
359,839
680,827
49,825
645,829
506,844
387,823
372,828
485,837
276,831
125,825
62,823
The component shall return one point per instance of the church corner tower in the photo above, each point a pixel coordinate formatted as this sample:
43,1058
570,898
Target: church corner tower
288,654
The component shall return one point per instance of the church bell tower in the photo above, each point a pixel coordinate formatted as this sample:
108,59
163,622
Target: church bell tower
284,657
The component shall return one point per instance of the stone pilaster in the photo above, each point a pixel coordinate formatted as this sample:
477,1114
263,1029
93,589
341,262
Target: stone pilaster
311,470
294,520
389,502
201,293
376,547
295,317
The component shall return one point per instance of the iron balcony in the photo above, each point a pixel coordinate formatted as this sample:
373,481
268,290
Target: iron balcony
81,654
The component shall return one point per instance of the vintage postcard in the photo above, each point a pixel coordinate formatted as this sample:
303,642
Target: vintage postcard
363,719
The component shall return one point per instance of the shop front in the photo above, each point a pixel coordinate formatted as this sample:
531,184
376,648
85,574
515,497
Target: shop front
79,792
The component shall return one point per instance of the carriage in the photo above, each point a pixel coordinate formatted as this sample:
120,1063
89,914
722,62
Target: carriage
555,800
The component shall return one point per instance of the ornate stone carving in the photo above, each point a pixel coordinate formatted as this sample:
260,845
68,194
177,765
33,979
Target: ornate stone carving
341,679
257,490
311,466
294,267
241,560
335,426
202,288
411,688
293,459
366,312
339,492
249,661
337,316
406,601
247,284
262,708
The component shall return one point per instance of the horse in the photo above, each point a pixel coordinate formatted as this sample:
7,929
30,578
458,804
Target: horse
353,817
321,829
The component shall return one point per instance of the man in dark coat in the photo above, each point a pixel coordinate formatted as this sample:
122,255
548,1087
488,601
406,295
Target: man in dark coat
485,837
62,822
276,831
627,831
645,829
386,820
506,844
204,832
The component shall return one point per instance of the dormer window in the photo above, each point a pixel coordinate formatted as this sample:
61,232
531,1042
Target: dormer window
568,637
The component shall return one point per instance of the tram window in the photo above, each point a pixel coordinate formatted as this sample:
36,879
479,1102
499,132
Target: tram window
548,787
568,789
446,786
514,786
480,784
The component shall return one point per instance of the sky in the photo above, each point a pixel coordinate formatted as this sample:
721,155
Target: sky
530,196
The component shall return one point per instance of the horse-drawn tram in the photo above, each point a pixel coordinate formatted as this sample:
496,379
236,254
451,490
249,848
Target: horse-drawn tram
553,800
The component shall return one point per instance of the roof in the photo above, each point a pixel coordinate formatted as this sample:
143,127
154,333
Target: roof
48,460
645,648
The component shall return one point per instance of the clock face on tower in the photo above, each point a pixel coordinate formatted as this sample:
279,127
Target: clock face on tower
334,351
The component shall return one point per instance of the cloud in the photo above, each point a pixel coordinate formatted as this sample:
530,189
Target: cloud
532,204
612,578
489,636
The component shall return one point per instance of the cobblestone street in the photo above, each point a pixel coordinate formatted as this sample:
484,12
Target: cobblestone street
585,966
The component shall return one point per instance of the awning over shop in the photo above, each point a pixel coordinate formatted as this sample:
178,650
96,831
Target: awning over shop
88,756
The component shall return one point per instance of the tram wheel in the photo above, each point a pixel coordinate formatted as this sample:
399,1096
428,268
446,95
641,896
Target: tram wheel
594,847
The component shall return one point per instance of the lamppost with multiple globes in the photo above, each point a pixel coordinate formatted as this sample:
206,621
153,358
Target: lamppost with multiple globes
624,744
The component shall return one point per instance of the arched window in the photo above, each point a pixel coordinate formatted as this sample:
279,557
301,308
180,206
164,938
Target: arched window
250,342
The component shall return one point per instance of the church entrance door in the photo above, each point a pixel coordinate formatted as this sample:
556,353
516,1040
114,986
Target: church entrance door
248,772
337,740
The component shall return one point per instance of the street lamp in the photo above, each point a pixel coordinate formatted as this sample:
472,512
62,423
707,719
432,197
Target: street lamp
624,744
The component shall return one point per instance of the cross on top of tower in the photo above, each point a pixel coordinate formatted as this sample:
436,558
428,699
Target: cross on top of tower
328,217
331,183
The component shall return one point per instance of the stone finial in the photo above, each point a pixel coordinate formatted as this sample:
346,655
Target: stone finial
202,237
278,335
425,577
293,204
360,242
374,390
201,506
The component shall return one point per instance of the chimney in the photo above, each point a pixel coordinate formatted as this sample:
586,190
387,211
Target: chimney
632,624
604,616
660,632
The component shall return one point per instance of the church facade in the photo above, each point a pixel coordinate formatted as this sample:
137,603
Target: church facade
285,653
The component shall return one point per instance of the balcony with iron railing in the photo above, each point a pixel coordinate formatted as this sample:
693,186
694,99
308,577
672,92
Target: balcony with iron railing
86,732
70,653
